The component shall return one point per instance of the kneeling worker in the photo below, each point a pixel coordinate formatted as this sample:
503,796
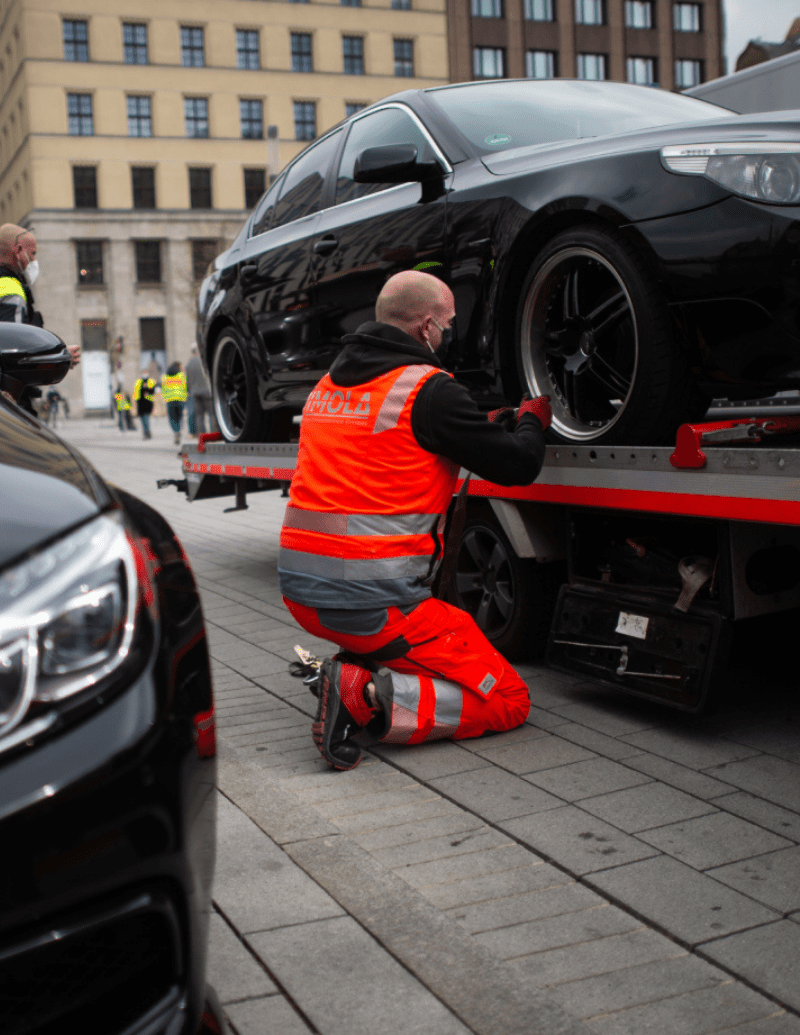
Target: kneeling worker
382,440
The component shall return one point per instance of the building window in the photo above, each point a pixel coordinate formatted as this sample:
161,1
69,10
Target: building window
200,188
192,47
641,70
134,43
204,251
404,58
686,17
589,12
688,73
487,8
195,113
76,40
148,262
140,117
251,116
350,3
591,66
305,120
89,255
151,334
488,62
401,5
540,64
255,183
302,56
351,107
639,14
79,115
353,54
539,11
84,184
247,54
143,182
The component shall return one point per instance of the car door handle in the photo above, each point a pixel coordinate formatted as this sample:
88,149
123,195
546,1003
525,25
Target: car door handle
326,245
248,271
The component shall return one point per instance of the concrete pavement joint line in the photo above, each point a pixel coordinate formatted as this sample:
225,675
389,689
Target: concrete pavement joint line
443,957
281,989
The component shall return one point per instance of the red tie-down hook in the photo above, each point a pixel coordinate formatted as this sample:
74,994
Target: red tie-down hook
692,436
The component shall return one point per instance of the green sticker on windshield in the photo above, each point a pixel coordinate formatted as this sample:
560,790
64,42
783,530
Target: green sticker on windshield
498,138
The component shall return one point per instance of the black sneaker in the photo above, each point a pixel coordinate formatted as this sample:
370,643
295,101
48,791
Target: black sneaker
334,725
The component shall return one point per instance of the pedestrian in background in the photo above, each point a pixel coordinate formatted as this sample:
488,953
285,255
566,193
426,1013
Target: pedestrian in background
123,404
173,391
144,392
53,399
199,403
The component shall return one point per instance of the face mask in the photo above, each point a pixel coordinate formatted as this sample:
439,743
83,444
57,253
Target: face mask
31,272
447,336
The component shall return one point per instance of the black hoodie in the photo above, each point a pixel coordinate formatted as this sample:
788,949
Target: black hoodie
444,418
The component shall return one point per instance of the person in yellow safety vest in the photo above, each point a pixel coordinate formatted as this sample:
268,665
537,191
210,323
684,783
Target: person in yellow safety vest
123,402
173,390
144,392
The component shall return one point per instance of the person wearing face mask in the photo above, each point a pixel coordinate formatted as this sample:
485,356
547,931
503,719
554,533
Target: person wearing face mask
382,439
18,271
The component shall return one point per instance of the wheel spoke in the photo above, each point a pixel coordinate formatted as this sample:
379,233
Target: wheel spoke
504,600
498,557
571,296
482,616
608,314
608,376
475,549
569,393
467,582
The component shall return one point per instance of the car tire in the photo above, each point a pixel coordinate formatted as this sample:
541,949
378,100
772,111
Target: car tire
593,332
512,599
234,389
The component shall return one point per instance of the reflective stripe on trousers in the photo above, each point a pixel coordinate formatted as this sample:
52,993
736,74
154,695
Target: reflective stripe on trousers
423,709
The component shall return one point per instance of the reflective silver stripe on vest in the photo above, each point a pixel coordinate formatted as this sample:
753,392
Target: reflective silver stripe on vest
397,396
351,569
360,524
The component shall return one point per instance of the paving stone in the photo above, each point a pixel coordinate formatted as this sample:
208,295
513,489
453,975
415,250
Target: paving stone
495,794
636,985
248,862
398,815
763,813
458,822
520,735
534,754
531,876
435,849
586,779
373,802
715,840
773,879
348,984
775,738
495,860
544,720
693,1013
232,970
575,840
613,720
552,932
766,957
259,1016
690,906
427,761
601,956
680,776
532,905
779,1023
645,807
694,750
369,779
598,743
766,777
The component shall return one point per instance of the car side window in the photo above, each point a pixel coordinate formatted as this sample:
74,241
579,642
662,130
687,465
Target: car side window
301,191
262,218
388,126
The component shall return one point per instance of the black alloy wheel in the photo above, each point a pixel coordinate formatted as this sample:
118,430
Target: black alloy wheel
594,334
234,388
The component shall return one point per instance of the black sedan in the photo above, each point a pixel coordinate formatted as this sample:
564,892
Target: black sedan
630,252
107,766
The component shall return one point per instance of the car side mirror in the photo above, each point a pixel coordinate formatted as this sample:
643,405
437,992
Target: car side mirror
393,163
30,356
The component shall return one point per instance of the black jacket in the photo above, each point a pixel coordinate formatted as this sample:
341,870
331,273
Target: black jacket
444,418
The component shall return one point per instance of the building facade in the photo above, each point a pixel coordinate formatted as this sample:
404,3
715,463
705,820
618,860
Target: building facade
134,139
674,45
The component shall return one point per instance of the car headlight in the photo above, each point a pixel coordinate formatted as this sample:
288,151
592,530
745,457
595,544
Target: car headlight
67,618
766,172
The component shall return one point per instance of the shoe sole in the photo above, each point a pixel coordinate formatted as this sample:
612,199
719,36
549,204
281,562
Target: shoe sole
327,707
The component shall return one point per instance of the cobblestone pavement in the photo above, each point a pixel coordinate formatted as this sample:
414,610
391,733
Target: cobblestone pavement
609,867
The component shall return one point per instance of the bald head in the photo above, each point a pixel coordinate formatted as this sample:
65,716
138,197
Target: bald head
417,303
17,246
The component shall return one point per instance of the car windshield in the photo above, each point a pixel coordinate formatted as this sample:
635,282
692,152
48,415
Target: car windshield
497,116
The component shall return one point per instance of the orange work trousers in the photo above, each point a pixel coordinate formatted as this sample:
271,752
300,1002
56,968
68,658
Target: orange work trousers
450,682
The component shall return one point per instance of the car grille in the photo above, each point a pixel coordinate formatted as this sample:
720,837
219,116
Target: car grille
102,973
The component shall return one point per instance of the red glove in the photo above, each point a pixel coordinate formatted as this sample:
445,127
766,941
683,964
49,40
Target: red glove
539,407
502,415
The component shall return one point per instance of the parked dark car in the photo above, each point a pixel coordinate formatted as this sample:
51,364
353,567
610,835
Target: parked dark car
630,252
107,742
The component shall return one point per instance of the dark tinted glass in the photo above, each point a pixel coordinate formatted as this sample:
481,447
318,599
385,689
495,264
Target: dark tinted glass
301,192
390,126
143,181
500,116
255,181
148,261
262,220
84,182
90,261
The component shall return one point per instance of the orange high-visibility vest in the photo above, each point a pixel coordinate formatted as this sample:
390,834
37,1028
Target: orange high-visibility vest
367,503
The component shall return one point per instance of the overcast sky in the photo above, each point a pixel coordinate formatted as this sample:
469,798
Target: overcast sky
746,20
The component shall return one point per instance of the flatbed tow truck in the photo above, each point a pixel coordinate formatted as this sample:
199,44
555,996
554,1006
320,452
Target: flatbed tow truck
631,565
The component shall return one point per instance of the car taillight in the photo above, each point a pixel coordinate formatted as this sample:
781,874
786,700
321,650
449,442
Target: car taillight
205,734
